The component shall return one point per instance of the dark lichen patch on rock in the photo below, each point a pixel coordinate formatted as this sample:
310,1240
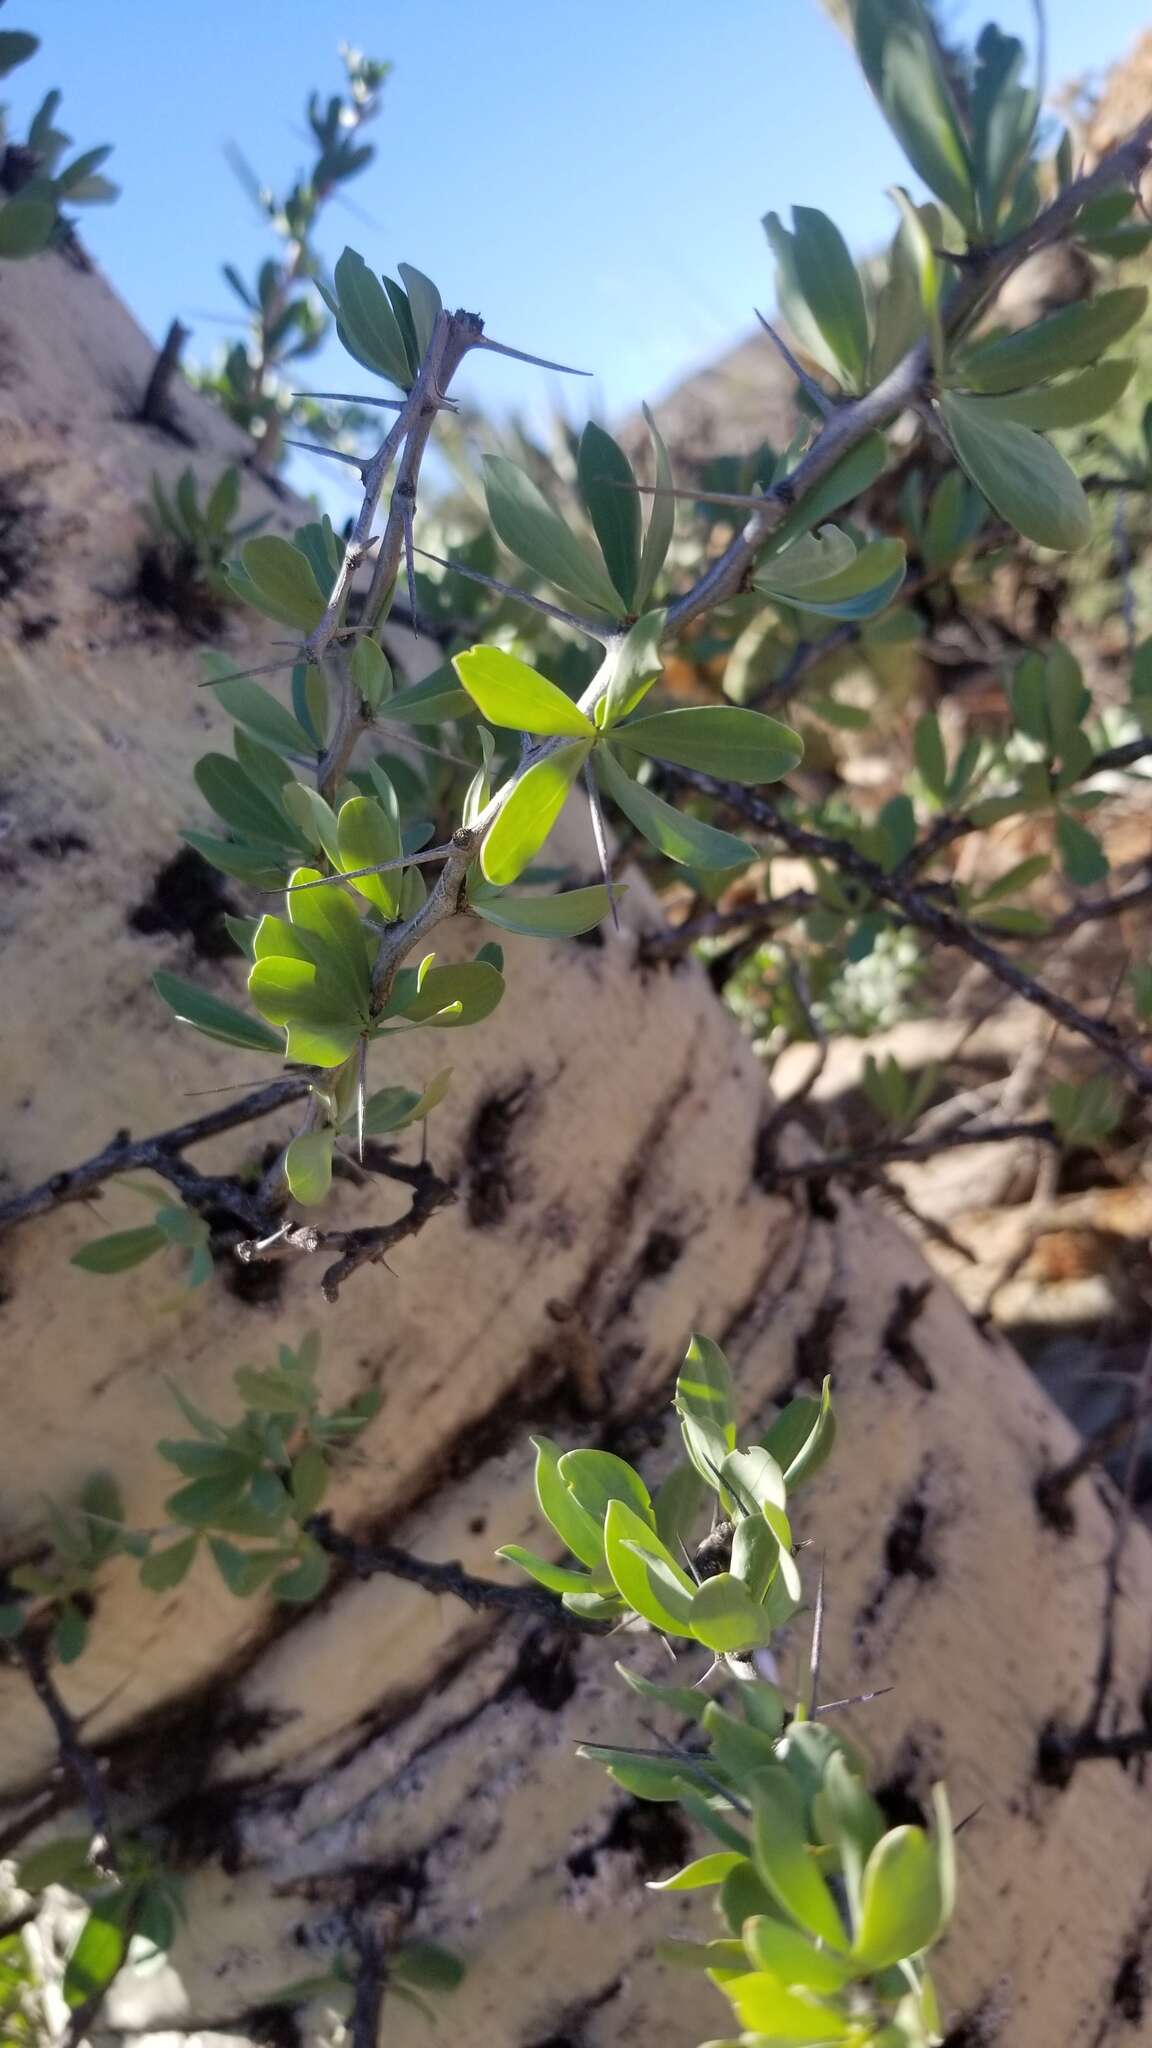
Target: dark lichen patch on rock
188,899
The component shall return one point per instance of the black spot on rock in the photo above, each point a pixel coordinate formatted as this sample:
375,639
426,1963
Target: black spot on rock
168,580
57,845
1130,1988
652,1833
489,1171
545,1669
188,899
905,1548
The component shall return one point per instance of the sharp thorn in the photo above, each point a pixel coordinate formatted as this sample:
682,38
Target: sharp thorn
356,398
815,392
333,454
519,355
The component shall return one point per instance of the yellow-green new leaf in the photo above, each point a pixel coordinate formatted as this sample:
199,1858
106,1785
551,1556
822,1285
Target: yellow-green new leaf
367,836
771,2013
901,1902
785,1861
308,1166
528,814
1020,474
508,692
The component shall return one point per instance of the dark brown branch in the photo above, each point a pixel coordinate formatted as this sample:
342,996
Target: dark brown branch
76,1758
371,1245
161,1155
365,1560
1053,1488
917,909
864,1157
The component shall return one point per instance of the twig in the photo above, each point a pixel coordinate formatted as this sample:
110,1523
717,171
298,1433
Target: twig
76,1758
161,1155
371,1976
369,1246
1053,1488
368,1559
864,1157
918,909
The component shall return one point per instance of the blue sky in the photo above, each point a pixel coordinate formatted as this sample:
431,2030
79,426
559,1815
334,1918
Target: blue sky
588,174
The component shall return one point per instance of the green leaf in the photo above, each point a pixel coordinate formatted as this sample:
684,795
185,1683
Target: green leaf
65,1862
426,1963
581,1531
16,46
283,580
262,867
240,802
634,666
425,303
608,489
366,836
437,697
531,529
307,1579
322,1032
771,2013
931,759
859,590
632,1549
1020,474
255,708
901,1904
1084,1112
1072,403
704,1389
452,997
849,1818
308,1166
786,1955
97,1953
326,927
673,833
802,1436
828,279
661,519
1082,857
1066,340
705,1870
124,1248
753,1477
11,1623
900,56
597,1478
755,1554
920,246
244,1572
25,227
677,1504
543,917
315,819
784,1860
70,1635
507,692
368,326
529,812
557,1578
163,1569
216,1019
722,740
855,473
371,673
725,1617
